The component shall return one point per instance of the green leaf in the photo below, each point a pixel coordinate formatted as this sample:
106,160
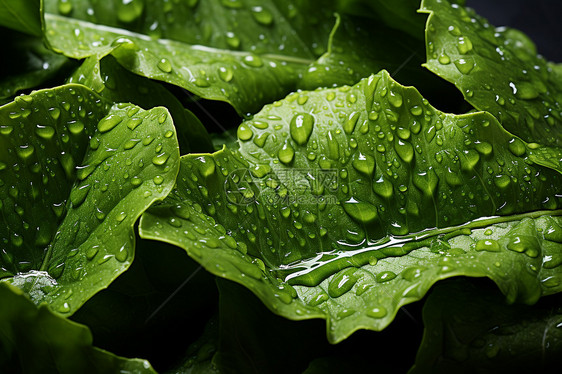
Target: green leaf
76,174
36,340
24,16
469,328
496,69
348,203
222,58
30,64
114,83
398,14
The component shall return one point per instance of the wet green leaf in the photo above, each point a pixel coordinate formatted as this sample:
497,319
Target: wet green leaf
226,57
114,83
348,203
24,16
496,69
75,174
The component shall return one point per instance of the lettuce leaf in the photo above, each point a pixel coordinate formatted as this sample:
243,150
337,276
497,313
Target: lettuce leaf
347,203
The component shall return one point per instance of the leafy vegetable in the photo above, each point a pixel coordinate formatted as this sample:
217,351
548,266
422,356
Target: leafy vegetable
333,160
21,16
361,154
120,159
496,69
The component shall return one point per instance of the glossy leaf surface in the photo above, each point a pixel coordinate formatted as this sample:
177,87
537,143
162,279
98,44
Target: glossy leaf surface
76,174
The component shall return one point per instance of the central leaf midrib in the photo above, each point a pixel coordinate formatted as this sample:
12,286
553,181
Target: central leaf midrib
308,265
163,41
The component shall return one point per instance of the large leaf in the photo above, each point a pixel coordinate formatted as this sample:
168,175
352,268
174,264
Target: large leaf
348,203
244,54
29,65
76,174
36,340
496,69
24,16
470,329
111,81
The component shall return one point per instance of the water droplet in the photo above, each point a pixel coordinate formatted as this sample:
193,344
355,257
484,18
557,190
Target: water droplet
349,125
502,181
160,159
226,73
55,113
253,61
377,312
517,147
484,148
78,195
25,151
465,66
122,254
385,276
164,65
404,150
395,99
64,308
262,15
426,182
233,4
158,180
364,163
488,245
527,91
109,122
45,132
232,40
65,7
75,127
92,252
129,10
301,127
469,159
444,59
360,211
244,132
342,282
206,166
464,45
383,188
286,153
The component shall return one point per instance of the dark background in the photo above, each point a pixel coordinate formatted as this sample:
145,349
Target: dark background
541,20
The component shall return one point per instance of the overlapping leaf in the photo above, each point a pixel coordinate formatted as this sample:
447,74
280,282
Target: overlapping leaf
470,329
23,16
348,203
496,69
76,173
29,65
225,57
41,341
114,83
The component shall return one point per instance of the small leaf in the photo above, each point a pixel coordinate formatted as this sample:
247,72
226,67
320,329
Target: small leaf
24,16
76,174
496,69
